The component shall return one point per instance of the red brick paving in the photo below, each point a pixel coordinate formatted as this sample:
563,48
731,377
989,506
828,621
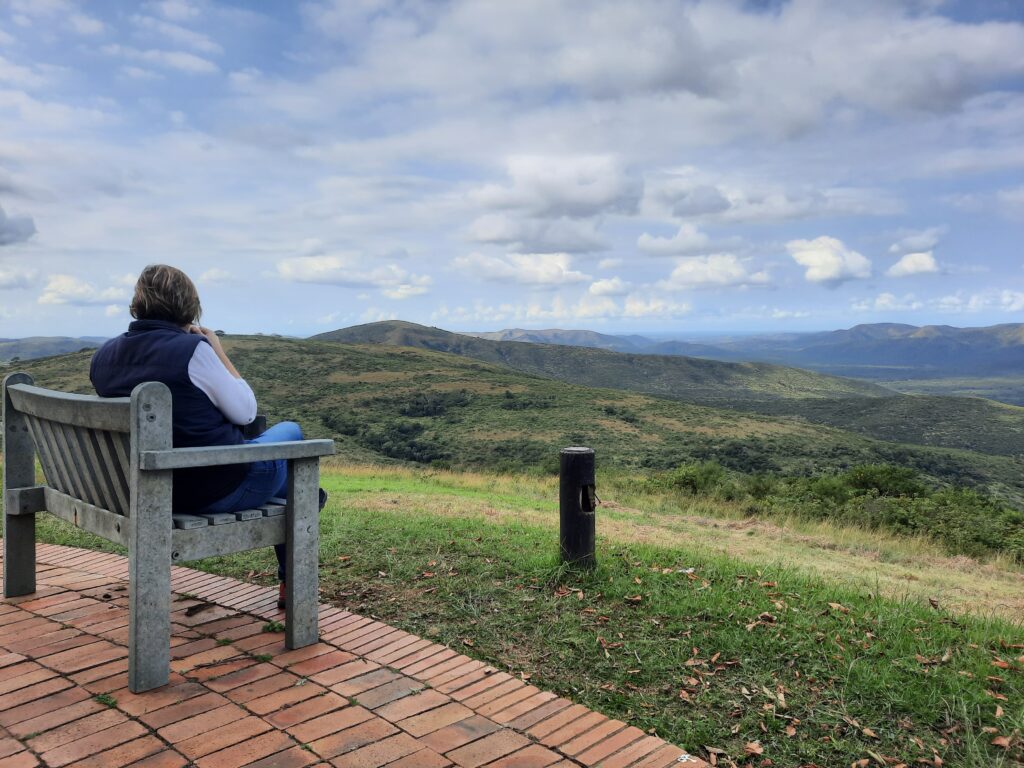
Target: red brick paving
368,695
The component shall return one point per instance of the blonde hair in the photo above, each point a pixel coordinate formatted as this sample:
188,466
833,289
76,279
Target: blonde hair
165,293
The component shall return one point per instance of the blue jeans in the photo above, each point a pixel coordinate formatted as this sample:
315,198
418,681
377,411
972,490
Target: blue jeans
264,481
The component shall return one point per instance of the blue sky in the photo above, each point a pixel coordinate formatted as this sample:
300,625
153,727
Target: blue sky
657,165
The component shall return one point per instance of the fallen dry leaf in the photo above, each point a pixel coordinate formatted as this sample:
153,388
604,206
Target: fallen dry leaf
753,748
1001,741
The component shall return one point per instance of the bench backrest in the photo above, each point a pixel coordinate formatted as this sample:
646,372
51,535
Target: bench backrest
83,443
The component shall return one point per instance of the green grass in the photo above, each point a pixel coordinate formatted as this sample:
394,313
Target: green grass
708,654
482,416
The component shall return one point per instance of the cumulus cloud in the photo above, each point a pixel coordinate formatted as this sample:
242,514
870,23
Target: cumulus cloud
828,261
918,241
614,286
215,275
688,239
345,270
717,270
558,309
1006,300
561,235
175,33
691,192
913,264
537,270
888,302
554,186
68,289
182,61
15,229
15,278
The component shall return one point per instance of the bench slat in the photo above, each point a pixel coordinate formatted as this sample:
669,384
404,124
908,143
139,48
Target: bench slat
90,518
108,413
183,458
225,539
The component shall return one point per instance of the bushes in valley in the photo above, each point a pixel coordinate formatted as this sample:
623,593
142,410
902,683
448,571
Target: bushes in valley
434,403
403,440
875,496
513,402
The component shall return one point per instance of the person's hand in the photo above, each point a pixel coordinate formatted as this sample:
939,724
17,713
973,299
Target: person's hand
208,334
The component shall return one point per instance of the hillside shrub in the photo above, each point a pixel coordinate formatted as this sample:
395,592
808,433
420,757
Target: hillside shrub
403,440
434,403
698,477
885,479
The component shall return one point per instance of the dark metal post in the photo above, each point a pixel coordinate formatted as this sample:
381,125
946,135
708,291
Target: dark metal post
577,502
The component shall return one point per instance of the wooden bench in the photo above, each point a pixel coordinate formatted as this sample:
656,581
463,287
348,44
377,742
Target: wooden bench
108,466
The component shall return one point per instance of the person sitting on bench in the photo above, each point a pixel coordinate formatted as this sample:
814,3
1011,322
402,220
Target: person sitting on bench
211,401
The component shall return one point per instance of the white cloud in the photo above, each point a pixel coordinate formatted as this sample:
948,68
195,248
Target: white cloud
377,315
215,275
913,264
561,235
690,192
345,270
610,263
182,61
15,229
653,306
614,286
114,310
177,10
717,270
918,241
16,278
888,302
828,261
688,239
588,307
1005,300
538,270
554,186
67,289
175,33
86,25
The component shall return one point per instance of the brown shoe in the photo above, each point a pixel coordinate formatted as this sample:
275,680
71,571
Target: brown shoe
280,596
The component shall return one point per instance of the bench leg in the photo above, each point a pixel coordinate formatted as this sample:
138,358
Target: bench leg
149,619
19,471
303,553
19,555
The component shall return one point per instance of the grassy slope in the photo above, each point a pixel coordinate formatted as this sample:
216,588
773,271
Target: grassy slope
1006,389
862,667
710,382
511,420
759,387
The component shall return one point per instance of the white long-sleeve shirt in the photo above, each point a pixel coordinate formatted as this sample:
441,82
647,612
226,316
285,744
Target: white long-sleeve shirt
233,396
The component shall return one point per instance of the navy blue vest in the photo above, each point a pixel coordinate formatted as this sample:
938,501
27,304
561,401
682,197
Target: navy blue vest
156,350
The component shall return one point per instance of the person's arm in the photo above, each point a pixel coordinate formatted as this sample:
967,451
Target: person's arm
214,340
218,379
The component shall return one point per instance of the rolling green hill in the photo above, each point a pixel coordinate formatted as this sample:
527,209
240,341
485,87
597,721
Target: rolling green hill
971,424
415,405
709,382
34,347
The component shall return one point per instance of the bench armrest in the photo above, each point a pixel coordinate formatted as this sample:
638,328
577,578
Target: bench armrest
209,456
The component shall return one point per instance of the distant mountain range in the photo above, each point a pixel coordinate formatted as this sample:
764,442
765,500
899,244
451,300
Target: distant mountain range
34,347
857,406
881,351
696,380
